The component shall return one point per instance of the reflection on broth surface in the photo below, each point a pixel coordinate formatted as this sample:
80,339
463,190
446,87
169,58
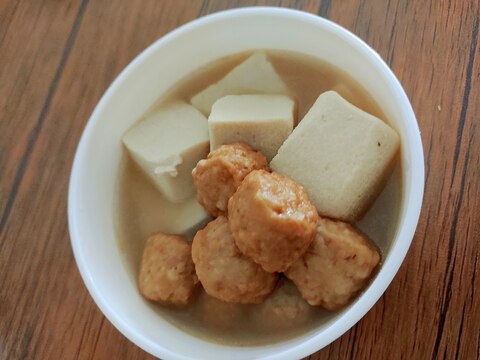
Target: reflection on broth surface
142,211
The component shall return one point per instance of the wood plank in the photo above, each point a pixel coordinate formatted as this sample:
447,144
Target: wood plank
431,308
34,43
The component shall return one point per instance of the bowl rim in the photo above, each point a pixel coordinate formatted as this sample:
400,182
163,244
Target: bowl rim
413,208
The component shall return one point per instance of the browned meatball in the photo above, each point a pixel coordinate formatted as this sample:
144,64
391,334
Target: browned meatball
167,273
337,265
284,309
218,177
272,220
224,271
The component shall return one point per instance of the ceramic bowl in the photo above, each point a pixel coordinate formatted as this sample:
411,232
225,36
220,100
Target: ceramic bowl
144,80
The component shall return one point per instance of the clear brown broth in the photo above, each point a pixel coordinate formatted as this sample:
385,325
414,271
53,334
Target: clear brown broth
142,211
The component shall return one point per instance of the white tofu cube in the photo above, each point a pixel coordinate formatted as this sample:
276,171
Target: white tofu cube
261,121
253,76
340,154
167,145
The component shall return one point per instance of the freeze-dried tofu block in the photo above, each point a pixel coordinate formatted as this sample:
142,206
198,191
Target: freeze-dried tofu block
255,75
261,121
340,154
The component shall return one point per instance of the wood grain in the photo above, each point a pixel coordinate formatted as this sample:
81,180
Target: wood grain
58,57
35,38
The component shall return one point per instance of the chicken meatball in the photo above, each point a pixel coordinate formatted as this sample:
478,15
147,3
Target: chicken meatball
284,309
224,271
272,220
218,177
167,273
337,265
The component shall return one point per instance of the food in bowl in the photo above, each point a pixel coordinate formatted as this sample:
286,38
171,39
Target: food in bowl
353,154
272,220
167,273
337,264
166,149
283,309
224,271
217,177
255,75
264,121
285,223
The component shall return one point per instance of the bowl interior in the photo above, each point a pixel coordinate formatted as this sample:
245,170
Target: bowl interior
92,188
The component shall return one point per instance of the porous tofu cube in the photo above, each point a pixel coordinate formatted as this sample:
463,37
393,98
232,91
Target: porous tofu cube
167,145
338,264
340,154
255,75
261,121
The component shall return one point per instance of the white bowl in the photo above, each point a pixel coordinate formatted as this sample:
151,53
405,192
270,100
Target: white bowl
93,178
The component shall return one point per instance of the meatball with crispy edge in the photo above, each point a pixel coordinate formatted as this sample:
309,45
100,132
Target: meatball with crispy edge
338,264
218,176
167,273
224,271
272,220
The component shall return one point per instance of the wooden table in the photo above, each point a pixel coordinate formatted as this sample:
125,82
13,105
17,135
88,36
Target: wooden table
58,57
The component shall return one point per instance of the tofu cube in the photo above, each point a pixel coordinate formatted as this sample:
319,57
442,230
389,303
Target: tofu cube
167,145
261,121
340,154
338,264
255,75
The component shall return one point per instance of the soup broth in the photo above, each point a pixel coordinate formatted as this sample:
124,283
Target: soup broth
142,210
